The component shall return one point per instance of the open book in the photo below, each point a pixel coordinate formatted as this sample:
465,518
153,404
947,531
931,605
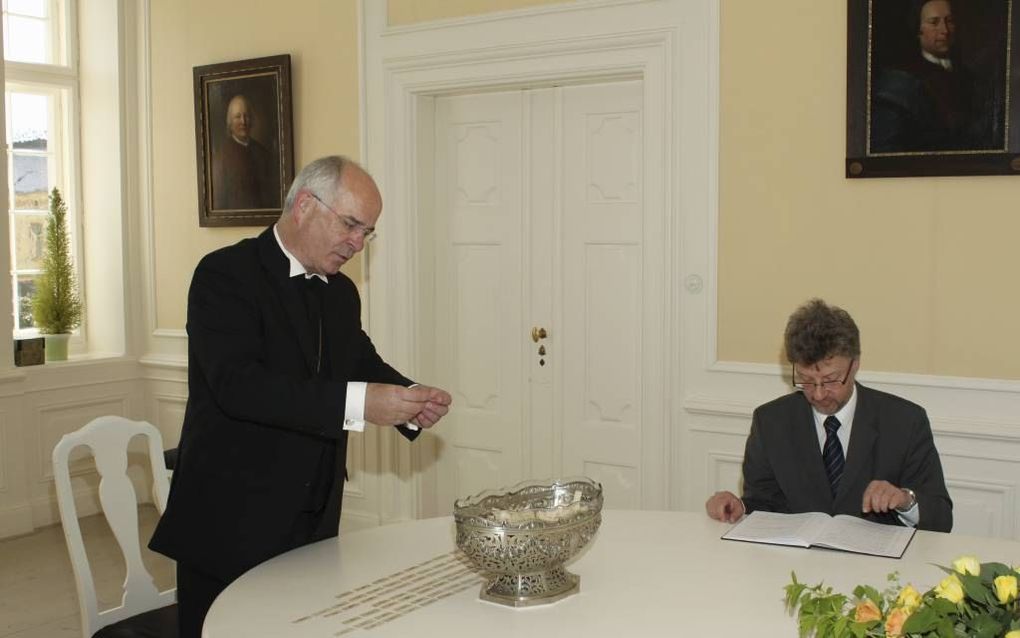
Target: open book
817,529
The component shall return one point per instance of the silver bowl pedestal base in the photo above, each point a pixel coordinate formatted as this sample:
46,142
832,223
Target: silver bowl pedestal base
528,590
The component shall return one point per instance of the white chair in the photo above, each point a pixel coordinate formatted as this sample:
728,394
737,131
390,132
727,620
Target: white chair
144,611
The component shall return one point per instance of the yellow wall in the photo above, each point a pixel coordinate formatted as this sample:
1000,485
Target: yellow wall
321,38
410,11
925,265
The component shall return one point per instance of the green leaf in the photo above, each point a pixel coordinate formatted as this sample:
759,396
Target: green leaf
922,620
985,626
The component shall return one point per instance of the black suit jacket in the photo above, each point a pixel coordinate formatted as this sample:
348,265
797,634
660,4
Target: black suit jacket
891,440
261,460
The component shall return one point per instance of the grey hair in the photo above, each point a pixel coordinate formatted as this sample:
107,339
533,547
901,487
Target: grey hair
321,177
817,331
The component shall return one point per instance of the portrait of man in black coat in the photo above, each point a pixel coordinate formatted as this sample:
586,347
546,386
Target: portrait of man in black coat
245,174
938,76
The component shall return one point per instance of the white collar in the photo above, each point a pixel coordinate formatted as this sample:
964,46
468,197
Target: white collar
296,267
945,63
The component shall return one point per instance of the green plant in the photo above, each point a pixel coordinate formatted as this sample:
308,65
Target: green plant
56,307
974,600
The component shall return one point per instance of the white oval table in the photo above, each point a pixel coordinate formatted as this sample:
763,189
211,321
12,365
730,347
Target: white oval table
646,574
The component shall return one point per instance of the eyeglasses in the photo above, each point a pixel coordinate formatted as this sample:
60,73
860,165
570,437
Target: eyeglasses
805,386
350,224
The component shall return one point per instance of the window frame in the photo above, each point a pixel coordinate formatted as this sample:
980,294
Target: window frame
60,81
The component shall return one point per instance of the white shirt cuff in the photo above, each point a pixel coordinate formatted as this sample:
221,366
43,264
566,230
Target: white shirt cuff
911,517
354,410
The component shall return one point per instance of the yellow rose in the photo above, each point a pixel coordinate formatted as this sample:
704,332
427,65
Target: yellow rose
1013,634
867,610
950,588
909,599
967,565
894,624
1005,588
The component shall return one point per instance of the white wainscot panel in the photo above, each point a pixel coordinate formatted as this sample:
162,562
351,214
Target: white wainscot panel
983,508
168,412
477,469
56,420
621,487
5,449
723,472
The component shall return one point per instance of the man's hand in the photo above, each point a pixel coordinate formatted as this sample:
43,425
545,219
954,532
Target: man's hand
725,506
882,496
387,404
437,405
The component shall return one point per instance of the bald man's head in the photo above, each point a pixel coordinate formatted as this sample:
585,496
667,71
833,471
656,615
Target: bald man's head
240,117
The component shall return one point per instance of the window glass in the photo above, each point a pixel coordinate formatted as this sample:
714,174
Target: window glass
34,8
26,288
31,182
30,241
26,40
29,121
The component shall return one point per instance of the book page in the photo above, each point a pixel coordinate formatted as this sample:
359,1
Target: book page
782,529
854,534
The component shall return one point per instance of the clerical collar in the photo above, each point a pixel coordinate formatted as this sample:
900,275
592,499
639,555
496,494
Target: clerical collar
945,63
241,142
296,267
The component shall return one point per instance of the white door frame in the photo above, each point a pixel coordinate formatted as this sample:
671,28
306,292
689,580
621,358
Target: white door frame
671,44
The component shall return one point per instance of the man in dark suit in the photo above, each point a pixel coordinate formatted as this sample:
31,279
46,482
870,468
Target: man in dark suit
279,370
836,446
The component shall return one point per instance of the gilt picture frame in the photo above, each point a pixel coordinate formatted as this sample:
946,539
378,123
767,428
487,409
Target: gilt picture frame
932,88
244,140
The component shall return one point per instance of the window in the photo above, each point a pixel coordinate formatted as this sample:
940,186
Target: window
40,96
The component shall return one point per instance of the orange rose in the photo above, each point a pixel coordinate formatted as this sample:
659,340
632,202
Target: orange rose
894,623
867,611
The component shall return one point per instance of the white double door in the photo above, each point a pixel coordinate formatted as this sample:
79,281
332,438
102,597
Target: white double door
539,224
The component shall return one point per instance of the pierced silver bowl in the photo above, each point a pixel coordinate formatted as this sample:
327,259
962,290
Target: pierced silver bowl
522,536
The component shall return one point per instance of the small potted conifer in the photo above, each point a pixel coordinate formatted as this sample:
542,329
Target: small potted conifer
56,306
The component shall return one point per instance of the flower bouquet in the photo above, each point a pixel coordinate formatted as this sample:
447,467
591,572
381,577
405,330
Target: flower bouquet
974,600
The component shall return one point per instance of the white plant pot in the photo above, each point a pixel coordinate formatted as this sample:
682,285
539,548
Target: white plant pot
56,347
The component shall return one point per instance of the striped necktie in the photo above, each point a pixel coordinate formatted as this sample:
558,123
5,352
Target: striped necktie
832,453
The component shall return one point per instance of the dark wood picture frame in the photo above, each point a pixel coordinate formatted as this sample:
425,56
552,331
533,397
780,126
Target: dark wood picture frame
905,118
244,139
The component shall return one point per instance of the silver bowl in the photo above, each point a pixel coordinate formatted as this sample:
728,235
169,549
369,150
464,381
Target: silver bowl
522,535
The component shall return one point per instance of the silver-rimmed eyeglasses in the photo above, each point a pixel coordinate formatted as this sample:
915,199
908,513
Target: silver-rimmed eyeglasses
832,384
350,224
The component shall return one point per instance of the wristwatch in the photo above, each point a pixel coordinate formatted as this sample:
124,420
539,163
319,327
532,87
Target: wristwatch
911,503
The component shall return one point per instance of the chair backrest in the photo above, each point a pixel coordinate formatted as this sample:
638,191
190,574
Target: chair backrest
108,438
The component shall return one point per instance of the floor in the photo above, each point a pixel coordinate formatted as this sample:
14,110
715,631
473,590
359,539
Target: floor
37,593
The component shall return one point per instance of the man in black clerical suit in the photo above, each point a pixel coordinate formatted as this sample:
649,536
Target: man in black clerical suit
279,370
834,445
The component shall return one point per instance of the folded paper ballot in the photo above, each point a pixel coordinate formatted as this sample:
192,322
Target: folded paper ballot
818,529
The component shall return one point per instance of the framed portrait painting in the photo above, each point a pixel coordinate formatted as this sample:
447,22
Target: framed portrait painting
243,134
932,88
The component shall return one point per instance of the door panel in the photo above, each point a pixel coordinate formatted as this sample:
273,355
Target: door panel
478,292
562,167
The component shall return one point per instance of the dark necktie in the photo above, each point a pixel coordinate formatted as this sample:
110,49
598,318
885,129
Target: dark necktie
832,453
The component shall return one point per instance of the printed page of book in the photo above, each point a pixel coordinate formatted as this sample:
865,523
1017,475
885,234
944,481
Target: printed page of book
853,534
779,529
